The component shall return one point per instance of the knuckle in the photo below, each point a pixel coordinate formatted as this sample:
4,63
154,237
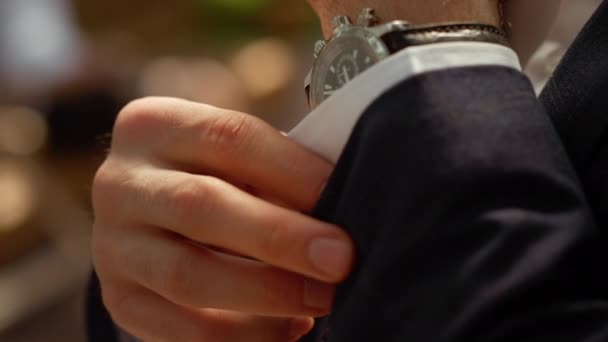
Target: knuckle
110,187
230,131
193,198
102,191
132,117
103,179
141,119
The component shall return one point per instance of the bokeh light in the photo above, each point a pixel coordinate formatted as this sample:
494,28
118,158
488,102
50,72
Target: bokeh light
23,131
196,79
265,66
18,196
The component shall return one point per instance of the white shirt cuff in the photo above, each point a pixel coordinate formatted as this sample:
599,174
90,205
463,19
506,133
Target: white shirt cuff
326,130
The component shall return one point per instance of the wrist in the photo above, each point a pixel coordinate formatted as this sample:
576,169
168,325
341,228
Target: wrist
417,12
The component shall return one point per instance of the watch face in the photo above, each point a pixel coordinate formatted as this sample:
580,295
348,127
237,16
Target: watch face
346,56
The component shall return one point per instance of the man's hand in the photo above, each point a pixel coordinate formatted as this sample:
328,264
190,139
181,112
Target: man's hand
186,248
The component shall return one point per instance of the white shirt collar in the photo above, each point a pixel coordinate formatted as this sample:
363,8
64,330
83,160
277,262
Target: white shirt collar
326,130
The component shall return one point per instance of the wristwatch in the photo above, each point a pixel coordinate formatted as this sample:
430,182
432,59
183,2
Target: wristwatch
354,48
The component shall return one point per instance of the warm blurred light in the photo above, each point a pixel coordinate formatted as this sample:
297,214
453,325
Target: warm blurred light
265,66
23,131
202,80
18,196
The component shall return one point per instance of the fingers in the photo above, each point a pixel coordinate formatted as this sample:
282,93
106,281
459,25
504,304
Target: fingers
194,276
153,226
235,146
213,212
151,318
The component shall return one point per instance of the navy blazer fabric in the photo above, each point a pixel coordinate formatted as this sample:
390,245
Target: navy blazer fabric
469,220
478,211
576,98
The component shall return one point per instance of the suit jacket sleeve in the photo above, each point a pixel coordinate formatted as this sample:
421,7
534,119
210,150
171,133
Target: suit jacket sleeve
468,219
99,325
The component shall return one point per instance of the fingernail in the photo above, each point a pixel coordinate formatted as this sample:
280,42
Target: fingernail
318,295
332,257
299,327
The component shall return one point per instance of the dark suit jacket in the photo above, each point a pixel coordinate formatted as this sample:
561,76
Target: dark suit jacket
477,211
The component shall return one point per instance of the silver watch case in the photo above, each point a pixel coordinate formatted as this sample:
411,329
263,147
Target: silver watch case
366,28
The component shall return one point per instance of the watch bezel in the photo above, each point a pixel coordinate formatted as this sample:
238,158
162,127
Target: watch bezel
370,37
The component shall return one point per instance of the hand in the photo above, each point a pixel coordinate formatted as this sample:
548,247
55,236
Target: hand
184,245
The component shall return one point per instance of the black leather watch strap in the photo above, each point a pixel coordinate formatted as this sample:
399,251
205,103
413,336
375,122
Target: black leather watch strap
448,32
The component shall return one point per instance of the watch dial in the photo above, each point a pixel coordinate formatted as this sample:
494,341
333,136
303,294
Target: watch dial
343,59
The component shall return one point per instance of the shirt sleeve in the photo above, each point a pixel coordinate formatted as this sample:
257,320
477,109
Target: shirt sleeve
326,129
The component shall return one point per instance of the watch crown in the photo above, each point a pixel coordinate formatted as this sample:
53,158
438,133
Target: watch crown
319,45
367,18
341,20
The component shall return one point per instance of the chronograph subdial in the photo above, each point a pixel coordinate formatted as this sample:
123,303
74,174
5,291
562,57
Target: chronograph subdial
344,69
347,68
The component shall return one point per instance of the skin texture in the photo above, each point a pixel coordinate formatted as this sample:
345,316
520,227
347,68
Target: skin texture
525,34
416,12
201,232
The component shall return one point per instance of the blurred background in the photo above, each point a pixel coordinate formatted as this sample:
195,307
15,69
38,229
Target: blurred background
66,69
